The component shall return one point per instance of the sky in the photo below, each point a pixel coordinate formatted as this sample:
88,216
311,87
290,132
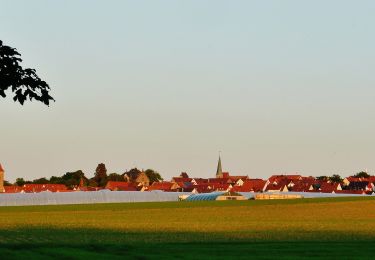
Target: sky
276,86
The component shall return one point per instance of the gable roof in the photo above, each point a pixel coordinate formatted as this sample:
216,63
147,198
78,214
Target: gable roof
277,185
164,185
330,187
119,185
251,185
30,188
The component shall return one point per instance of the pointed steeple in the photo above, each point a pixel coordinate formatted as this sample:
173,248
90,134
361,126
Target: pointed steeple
219,171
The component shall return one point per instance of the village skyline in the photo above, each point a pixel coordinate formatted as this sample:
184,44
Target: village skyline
166,85
12,177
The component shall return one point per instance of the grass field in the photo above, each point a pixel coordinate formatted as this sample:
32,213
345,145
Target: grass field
285,229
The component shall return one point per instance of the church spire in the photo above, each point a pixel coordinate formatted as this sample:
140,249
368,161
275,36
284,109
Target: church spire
219,171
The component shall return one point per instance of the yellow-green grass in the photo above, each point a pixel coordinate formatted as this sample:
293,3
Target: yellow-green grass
279,228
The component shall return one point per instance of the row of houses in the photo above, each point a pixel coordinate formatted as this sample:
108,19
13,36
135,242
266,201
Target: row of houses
223,182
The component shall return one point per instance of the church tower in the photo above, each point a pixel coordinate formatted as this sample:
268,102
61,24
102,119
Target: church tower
219,171
1,178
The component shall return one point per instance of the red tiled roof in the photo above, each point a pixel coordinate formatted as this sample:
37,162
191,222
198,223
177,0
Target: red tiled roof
279,186
353,179
200,180
1,168
220,186
181,179
12,189
328,187
236,178
225,174
219,180
120,185
165,186
251,185
29,188
277,178
89,188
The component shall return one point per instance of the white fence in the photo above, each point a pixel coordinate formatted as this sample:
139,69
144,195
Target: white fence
87,197
106,196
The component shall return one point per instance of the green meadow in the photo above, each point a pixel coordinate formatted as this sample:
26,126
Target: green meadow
282,229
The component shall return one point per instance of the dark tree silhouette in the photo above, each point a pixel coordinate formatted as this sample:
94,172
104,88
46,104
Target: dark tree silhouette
154,176
24,83
100,176
362,175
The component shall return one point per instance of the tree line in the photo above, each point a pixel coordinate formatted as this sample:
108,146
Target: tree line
338,179
100,179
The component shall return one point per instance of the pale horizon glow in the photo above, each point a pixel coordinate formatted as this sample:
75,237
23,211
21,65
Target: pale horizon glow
277,86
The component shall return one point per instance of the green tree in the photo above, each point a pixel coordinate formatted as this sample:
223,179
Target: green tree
72,179
362,175
100,176
41,181
24,83
322,178
335,178
56,180
20,182
115,177
154,176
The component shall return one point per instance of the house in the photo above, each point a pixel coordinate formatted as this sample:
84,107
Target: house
181,179
120,186
350,179
237,180
304,185
330,187
163,186
182,186
198,181
137,177
290,178
35,188
12,189
250,185
281,186
201,188
361,185
219,180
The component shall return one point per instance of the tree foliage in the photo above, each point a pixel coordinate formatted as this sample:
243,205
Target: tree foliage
362,175
335,178
24,83
100,176
154,176
70,179
115,177
42,180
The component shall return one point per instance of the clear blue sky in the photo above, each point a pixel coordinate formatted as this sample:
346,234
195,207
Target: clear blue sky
277,86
